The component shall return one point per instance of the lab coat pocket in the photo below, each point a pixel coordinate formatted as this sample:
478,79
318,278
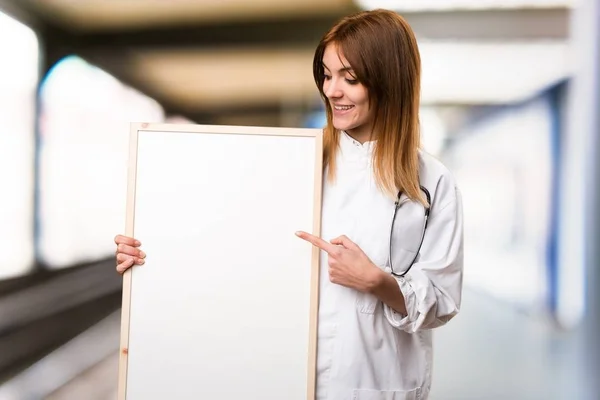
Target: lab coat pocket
370,394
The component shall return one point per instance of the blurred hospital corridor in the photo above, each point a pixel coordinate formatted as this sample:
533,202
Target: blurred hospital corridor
510,103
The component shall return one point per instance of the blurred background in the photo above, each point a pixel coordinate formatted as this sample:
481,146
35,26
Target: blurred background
509,103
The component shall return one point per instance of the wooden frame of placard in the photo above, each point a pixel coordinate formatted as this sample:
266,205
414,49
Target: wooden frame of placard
308,141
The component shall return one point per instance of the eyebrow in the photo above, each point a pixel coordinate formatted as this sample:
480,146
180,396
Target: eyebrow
345,69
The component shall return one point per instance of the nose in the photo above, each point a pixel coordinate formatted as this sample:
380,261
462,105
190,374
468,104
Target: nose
331,89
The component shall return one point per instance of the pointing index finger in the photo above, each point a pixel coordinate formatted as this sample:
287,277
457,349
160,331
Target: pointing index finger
316,241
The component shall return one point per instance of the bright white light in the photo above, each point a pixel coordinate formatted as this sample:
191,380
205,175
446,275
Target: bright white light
448,5
490,73
18,79
84,158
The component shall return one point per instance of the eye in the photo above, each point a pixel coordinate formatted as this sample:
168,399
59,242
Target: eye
326,77
350,78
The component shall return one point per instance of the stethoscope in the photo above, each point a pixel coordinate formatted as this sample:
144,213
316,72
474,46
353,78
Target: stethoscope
397,206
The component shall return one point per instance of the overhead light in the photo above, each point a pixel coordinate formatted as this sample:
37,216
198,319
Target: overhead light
490,73
450,5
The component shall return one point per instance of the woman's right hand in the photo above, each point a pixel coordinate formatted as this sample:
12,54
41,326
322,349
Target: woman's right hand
128,253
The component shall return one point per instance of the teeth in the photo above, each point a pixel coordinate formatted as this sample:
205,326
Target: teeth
342,108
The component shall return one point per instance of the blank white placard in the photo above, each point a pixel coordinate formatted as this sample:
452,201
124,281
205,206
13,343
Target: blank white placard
225,305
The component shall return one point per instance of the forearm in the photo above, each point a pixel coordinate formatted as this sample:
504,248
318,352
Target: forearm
386,289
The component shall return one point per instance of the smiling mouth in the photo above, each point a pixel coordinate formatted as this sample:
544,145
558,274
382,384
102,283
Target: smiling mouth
342,108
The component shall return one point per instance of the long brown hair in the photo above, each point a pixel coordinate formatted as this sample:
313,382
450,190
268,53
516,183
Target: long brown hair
383,53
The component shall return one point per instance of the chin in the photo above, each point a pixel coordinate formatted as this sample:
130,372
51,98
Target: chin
343,127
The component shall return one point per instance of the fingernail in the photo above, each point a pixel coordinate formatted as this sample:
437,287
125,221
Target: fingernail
142,254
138,243
298,233
140,261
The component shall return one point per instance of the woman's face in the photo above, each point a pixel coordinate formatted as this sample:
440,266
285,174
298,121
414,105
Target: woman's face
348,97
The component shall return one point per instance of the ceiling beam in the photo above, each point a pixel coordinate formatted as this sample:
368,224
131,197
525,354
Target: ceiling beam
267,33
492,25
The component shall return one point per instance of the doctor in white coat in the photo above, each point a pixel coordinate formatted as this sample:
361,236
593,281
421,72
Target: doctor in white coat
390,272
392,229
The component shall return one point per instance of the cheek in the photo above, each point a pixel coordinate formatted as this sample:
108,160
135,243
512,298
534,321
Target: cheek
364,110
361,98
365,101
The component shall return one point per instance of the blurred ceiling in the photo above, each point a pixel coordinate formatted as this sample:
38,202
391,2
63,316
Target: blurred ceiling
134,14
233,57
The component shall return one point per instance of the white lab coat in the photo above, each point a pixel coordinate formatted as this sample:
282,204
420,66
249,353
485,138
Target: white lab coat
367,351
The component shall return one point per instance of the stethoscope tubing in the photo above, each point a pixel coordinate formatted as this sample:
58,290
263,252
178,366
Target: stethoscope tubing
426,219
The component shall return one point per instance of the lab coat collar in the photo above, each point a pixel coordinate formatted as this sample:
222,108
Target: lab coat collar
349,144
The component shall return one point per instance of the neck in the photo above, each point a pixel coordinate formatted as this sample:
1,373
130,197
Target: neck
360,137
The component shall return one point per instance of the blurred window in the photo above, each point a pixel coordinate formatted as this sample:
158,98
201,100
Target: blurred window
18,81
504,166
84,143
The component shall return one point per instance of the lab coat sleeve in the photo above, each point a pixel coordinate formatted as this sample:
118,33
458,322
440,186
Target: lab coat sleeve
432,288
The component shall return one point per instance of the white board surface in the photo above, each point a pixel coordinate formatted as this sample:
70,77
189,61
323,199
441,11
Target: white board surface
225,305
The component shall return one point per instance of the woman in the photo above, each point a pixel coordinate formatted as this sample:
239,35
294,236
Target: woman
395,264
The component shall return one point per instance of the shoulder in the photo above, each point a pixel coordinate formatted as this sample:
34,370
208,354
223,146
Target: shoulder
438,180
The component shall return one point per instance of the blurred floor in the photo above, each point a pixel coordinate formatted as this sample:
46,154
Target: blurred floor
489,352
97,383
493,352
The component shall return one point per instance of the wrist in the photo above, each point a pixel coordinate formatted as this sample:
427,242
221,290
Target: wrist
375,280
